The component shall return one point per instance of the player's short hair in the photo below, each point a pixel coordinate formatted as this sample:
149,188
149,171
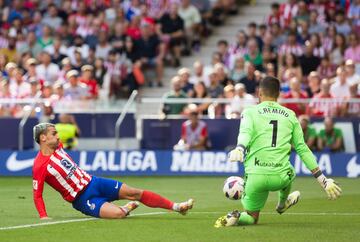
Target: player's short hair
270,86
40,129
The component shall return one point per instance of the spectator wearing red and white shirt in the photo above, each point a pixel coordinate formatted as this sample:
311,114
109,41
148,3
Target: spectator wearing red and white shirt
322,104
291,46
86,78
289,11
275,16
296,92
194,132
319,7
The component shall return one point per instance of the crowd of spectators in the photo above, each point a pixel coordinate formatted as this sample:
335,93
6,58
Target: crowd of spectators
87,50
312,46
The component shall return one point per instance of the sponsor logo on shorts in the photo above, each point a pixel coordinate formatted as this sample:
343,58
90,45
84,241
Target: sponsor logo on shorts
266,164
91,205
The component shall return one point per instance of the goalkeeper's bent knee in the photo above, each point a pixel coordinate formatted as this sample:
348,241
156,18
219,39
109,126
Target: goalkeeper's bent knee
246,219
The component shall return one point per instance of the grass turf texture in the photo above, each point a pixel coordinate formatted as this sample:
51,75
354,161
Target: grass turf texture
312,219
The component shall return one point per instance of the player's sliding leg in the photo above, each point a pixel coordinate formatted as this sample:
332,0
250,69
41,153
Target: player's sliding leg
111,211
153,200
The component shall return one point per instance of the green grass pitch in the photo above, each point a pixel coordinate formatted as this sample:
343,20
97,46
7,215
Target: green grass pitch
314,218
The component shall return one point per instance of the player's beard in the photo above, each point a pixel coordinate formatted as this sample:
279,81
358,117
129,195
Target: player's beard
54,145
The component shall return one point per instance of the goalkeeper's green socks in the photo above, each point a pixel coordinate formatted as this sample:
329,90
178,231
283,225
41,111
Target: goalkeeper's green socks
283,195
246,219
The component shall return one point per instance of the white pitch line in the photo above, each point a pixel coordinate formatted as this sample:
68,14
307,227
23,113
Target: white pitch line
47,223
161,213
70,221
289,213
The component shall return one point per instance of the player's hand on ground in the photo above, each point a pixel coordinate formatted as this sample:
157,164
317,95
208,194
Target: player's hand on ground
45,218
237,154
331,188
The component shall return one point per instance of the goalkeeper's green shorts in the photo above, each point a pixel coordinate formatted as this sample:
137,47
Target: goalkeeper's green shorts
258,186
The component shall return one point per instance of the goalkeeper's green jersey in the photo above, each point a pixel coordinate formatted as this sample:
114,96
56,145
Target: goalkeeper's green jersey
267,131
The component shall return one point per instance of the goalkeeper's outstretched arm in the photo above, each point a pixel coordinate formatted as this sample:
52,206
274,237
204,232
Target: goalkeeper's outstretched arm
329,185
245,134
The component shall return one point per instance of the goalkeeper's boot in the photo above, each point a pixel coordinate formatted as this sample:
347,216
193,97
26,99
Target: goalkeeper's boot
291,200
184,207
231,219
130,206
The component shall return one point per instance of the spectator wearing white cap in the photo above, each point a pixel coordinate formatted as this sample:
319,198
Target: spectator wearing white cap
241,100
75,90
184,74
30,67
19,88
198,73
89,81
65,67
215,88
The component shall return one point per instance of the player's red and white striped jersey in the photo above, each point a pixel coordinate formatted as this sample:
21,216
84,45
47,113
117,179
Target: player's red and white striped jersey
60,172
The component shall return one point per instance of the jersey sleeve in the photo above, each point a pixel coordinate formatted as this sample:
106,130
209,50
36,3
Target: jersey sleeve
38,187
301,148
246,129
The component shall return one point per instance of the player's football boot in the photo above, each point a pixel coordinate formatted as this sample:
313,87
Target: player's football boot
291,200
231,219
130,206
184,207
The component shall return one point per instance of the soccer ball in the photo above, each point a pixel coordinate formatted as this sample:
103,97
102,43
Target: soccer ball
233,187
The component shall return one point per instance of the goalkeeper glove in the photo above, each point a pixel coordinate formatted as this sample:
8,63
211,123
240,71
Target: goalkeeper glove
237,154
331,188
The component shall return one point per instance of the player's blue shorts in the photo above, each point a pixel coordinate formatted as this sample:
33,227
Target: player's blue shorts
99,191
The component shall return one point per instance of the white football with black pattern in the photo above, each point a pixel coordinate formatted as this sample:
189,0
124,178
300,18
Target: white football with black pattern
233,187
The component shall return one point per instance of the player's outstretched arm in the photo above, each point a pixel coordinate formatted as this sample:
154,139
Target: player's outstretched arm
331,188
329,185
38,187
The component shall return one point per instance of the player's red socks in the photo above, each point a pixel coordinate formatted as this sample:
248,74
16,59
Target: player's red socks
154,200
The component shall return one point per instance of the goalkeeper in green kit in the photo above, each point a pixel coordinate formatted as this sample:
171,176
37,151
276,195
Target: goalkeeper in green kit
267,133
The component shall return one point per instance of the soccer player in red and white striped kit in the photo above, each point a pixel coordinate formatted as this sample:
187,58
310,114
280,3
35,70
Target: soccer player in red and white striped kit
89,194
